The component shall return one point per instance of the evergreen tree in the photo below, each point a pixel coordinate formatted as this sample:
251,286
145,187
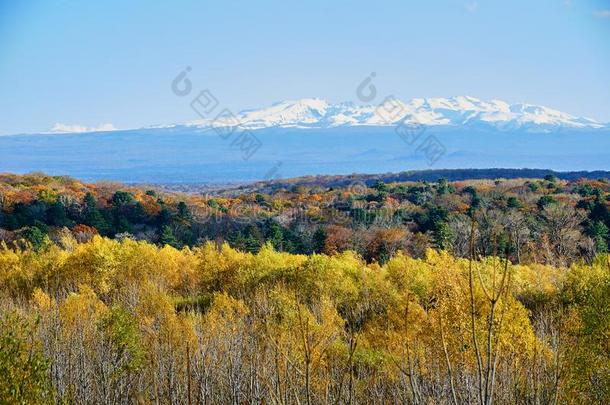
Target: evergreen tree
57,216
35,236
318,240
92,216
164,217
598,231
167,237
274,234
121,198
183,211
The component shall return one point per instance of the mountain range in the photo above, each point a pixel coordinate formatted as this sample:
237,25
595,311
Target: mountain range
315,137
460,111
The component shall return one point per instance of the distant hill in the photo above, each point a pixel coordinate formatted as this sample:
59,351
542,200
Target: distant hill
370,179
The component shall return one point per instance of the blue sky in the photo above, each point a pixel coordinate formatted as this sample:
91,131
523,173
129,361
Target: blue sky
86,63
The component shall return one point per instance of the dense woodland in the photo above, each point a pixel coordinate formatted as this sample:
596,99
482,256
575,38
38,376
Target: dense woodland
549,220
111,321
474,292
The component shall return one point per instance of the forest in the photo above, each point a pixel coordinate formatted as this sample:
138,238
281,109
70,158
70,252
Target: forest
549,220
477,291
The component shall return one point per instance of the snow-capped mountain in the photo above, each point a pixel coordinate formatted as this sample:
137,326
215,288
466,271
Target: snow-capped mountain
463,132
461,111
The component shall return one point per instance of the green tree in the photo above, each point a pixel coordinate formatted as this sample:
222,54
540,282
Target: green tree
442,235
274,234
550,178
183,211
443,186
598,231
167,237
35,236
545,200
121,198
89,201
318,240
92,216
513,202
56,215
164,217
381,187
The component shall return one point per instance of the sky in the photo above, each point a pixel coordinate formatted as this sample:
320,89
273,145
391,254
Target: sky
109,64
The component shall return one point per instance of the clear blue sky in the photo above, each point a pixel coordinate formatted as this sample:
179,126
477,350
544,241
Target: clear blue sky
89,63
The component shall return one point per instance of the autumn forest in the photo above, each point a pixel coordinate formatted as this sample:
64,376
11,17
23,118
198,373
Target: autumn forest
427,292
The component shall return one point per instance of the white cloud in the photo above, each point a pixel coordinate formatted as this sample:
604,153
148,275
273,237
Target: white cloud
602,13
66,128
472,6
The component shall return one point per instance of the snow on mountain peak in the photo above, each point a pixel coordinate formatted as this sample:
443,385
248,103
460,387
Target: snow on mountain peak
456,111
302,112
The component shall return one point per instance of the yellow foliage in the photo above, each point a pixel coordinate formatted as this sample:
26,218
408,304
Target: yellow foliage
42,301
81,311
318,321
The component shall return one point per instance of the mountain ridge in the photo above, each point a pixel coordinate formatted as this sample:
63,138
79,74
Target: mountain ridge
459,111
315,113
